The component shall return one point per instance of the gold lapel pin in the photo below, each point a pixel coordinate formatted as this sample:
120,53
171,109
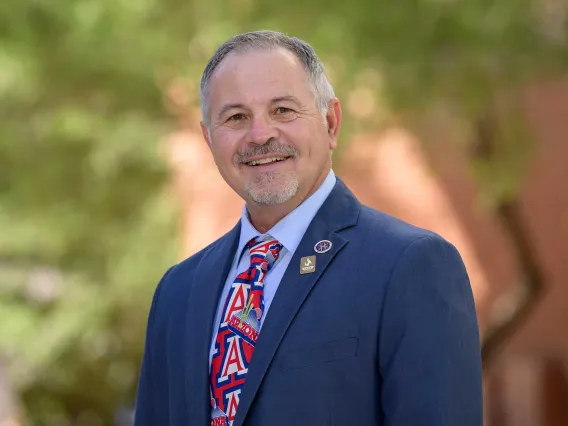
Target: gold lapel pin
307,265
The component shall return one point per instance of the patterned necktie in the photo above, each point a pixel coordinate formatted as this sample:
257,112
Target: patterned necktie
238,331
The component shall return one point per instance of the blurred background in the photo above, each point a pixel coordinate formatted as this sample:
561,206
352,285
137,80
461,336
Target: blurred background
456,119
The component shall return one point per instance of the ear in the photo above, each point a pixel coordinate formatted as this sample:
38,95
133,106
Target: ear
333,120
205,132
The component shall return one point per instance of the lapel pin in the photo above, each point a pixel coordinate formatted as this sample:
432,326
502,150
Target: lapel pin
322,246
307,265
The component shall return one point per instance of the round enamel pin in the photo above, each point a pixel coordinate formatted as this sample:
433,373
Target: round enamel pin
322,246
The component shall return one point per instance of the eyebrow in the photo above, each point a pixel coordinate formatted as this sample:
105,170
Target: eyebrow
228,107
288,98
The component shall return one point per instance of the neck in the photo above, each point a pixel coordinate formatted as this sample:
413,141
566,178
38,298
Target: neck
263,217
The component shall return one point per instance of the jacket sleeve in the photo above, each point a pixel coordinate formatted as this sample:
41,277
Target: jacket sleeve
429,350
146,410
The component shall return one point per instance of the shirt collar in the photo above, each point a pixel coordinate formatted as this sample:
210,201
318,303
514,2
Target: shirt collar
290,230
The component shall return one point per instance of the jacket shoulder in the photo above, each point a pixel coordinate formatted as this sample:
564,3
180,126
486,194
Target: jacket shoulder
389,235
379,223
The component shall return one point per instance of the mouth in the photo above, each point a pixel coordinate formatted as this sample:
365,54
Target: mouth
266,161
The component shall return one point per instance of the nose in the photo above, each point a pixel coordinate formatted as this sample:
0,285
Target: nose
262,130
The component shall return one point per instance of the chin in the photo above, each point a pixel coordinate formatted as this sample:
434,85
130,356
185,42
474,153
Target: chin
273,192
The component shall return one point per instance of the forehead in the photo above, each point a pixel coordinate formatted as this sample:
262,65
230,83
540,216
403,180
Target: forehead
258,76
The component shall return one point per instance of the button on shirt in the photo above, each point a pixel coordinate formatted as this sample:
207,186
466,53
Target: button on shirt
289,232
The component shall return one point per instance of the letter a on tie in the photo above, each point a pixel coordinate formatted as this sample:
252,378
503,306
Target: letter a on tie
238,331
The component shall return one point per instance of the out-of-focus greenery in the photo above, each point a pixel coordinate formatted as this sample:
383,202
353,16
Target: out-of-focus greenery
87,224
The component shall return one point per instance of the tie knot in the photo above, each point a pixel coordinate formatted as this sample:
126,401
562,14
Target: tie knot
264,252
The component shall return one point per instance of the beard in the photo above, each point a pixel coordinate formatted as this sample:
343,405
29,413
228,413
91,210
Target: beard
270,187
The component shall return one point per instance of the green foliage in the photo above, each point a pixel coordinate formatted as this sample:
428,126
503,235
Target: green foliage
84,207
83,195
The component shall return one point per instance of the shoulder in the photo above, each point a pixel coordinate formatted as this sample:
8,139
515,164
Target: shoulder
396,232
396,256
371,228
380,235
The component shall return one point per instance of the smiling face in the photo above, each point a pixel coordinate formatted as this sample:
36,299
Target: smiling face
270,142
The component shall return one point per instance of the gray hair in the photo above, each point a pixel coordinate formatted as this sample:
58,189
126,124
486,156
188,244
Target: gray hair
268,40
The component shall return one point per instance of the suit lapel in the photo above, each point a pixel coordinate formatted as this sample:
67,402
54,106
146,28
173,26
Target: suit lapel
340,210
209,279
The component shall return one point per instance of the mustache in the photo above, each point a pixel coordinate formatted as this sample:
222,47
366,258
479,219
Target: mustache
278,148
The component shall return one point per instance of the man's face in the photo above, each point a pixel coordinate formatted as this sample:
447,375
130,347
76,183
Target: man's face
270,142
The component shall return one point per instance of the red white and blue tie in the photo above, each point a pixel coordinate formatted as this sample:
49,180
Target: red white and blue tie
238,331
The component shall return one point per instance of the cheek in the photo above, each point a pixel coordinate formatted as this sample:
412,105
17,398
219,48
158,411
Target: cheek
224,150
302,137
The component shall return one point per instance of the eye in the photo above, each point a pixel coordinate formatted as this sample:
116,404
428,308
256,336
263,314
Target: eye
236,118
283,110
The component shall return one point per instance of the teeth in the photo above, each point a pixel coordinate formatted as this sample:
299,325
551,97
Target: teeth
265,161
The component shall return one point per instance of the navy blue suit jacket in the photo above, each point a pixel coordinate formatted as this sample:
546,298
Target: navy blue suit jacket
384,332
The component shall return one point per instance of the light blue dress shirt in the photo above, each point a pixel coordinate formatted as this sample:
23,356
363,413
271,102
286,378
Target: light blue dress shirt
289,232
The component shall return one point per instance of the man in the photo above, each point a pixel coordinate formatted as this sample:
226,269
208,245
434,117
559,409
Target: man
314,309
